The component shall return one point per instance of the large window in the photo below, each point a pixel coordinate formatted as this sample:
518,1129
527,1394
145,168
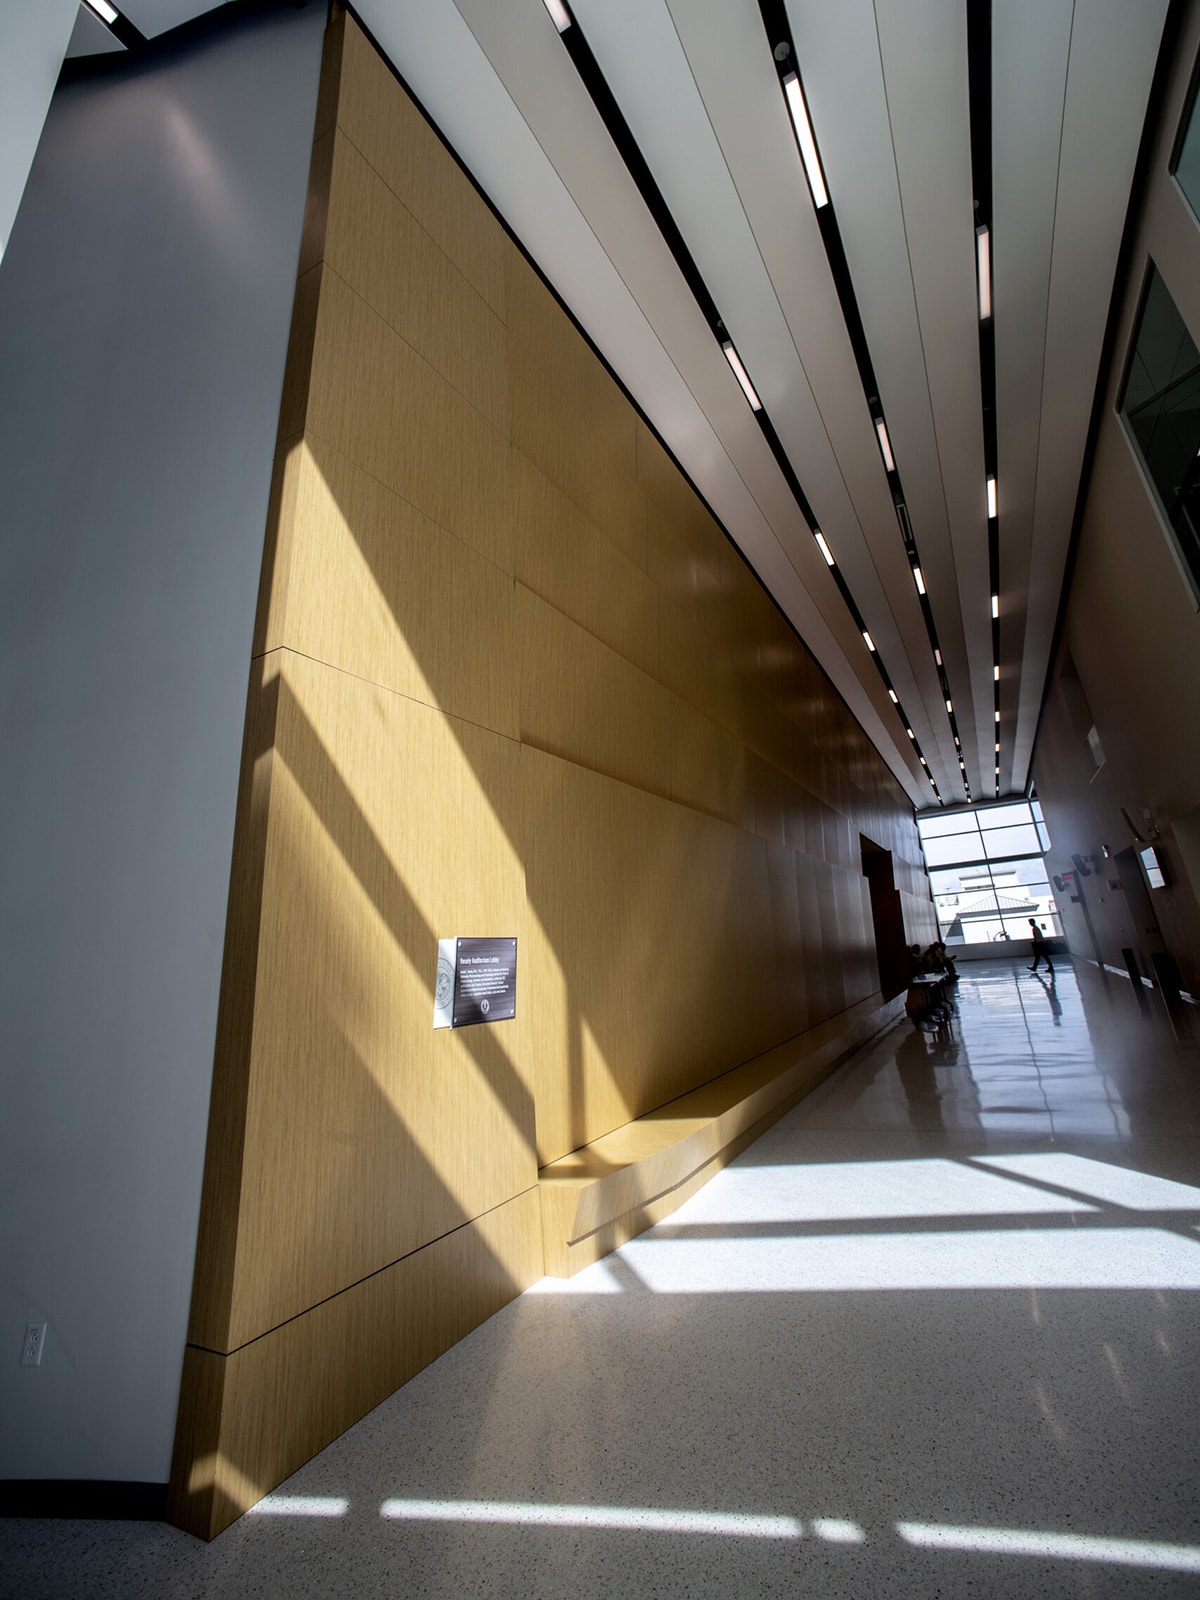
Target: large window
986,871
1160,407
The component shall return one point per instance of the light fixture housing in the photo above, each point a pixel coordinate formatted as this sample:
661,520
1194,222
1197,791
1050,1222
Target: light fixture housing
559,14
797,106
983,269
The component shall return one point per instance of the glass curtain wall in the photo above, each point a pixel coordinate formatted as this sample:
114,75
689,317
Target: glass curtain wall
987,872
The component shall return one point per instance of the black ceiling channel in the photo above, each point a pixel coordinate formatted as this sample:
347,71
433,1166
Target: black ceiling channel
778,30
605,102
602,97
979,82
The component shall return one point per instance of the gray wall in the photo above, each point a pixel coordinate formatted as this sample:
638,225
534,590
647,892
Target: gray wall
145,298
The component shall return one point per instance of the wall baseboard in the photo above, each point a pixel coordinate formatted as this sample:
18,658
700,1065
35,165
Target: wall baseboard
95,1499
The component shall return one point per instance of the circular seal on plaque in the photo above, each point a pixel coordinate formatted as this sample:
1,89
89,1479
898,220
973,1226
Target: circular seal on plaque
485,1006
443,994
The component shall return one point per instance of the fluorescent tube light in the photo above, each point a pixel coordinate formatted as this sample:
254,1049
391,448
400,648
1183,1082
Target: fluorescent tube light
997,747
949,705
739,372
884,444
798,111
995,605
937,656
103,10
868,641
996,673
997,716
893,697
910,733
924,763
983,266
991,497
823,547
559,14
920,581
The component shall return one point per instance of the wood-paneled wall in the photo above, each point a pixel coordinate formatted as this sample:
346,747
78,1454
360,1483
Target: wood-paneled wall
510,677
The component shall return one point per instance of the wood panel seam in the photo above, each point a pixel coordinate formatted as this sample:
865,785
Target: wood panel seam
420,355
399,198
387,1266
327,443
384,688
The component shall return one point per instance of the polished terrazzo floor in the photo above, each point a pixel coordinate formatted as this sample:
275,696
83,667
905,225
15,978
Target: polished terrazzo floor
935,1334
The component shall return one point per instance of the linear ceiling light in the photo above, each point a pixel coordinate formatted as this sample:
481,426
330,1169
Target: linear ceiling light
996,673
910,733
823,547
868,641
997,716
739,372
983,266
937,656
920,581
103,10
995,605
949,705
885,445
559,14
991,497
798,110
893,697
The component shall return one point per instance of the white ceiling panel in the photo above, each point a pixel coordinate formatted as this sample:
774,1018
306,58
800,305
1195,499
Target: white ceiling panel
729,56
838,51
1030,44
923,47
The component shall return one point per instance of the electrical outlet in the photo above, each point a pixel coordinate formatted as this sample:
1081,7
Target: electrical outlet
35,1339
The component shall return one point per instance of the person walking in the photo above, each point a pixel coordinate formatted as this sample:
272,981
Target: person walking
1041,951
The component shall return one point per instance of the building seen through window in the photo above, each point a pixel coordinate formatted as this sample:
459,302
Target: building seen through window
987,873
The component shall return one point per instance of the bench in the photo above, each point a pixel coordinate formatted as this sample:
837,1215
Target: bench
606,1192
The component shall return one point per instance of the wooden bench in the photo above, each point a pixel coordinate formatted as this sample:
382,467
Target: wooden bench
614,1188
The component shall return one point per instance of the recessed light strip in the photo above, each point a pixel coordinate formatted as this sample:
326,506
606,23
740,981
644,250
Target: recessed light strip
739,372
559,14
885,444
983,267
793,93
119,26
